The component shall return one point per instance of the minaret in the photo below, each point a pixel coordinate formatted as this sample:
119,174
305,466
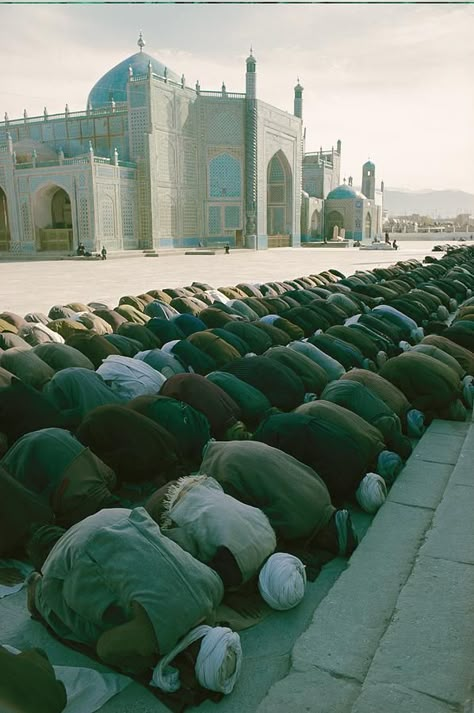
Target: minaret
251,77
368,180
251,146
298,101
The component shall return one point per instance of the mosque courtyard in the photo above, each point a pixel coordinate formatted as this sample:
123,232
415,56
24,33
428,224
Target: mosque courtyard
36,285
386,632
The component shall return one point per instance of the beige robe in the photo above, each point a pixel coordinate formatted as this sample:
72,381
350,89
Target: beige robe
116,557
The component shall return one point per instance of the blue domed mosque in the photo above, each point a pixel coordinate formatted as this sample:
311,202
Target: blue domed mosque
152,163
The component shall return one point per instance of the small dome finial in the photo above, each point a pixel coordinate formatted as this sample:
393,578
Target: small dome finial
251,51
141,42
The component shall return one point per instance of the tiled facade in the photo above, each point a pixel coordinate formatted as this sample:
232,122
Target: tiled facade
165,166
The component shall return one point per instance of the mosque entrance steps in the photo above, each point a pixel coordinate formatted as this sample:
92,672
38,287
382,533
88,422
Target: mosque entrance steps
394,634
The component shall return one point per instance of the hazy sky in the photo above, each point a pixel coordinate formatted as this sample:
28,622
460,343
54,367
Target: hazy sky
393,82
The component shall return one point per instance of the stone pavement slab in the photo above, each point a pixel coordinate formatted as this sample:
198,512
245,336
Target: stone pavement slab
429,646
463,473
314,691
421,484
438,448
391,698
449,428
350,621
452,538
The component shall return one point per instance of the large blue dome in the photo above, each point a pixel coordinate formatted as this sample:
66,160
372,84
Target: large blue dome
113,85
344,192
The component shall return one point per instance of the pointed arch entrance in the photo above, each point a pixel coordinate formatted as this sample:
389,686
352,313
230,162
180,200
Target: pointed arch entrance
279,200
334,219
315,224
4,223
53,219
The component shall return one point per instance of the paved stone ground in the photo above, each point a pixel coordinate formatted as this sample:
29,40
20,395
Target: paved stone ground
37,285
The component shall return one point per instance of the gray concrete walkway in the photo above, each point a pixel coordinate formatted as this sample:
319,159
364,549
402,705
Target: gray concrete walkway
395,634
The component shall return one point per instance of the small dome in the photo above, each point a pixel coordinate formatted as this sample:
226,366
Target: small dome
113,85
369,164
344,192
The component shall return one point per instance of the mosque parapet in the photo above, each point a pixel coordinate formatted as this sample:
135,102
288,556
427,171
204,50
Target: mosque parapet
75,161
179,85
119,107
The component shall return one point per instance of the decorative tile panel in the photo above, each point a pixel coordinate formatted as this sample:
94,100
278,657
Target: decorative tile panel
84,218
232,217
166,160
224,127
190,219
225,177
215,221
168,217
107,218
26,220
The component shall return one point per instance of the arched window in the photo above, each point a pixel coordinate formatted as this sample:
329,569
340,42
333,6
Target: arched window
315,223
61,209
334,219
279,195
225,177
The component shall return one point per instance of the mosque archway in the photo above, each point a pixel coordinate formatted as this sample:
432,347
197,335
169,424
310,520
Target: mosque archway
279,200
368,227
315,225
4,224
53,219
334,219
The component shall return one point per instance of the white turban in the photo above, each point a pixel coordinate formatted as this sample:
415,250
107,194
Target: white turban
389,464
417,334
468,390
404,345
371,493
310,396
217,666
452,304
282,581
416,423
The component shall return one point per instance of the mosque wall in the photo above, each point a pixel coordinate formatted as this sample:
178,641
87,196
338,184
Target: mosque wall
355,219
312,221
30,192
278,131
115,216
319,180
174,194
139,121
221,165
352,217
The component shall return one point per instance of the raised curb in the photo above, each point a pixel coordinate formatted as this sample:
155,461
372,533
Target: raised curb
395,633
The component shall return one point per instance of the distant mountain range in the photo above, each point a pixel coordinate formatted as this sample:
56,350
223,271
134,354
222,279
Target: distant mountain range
437,204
